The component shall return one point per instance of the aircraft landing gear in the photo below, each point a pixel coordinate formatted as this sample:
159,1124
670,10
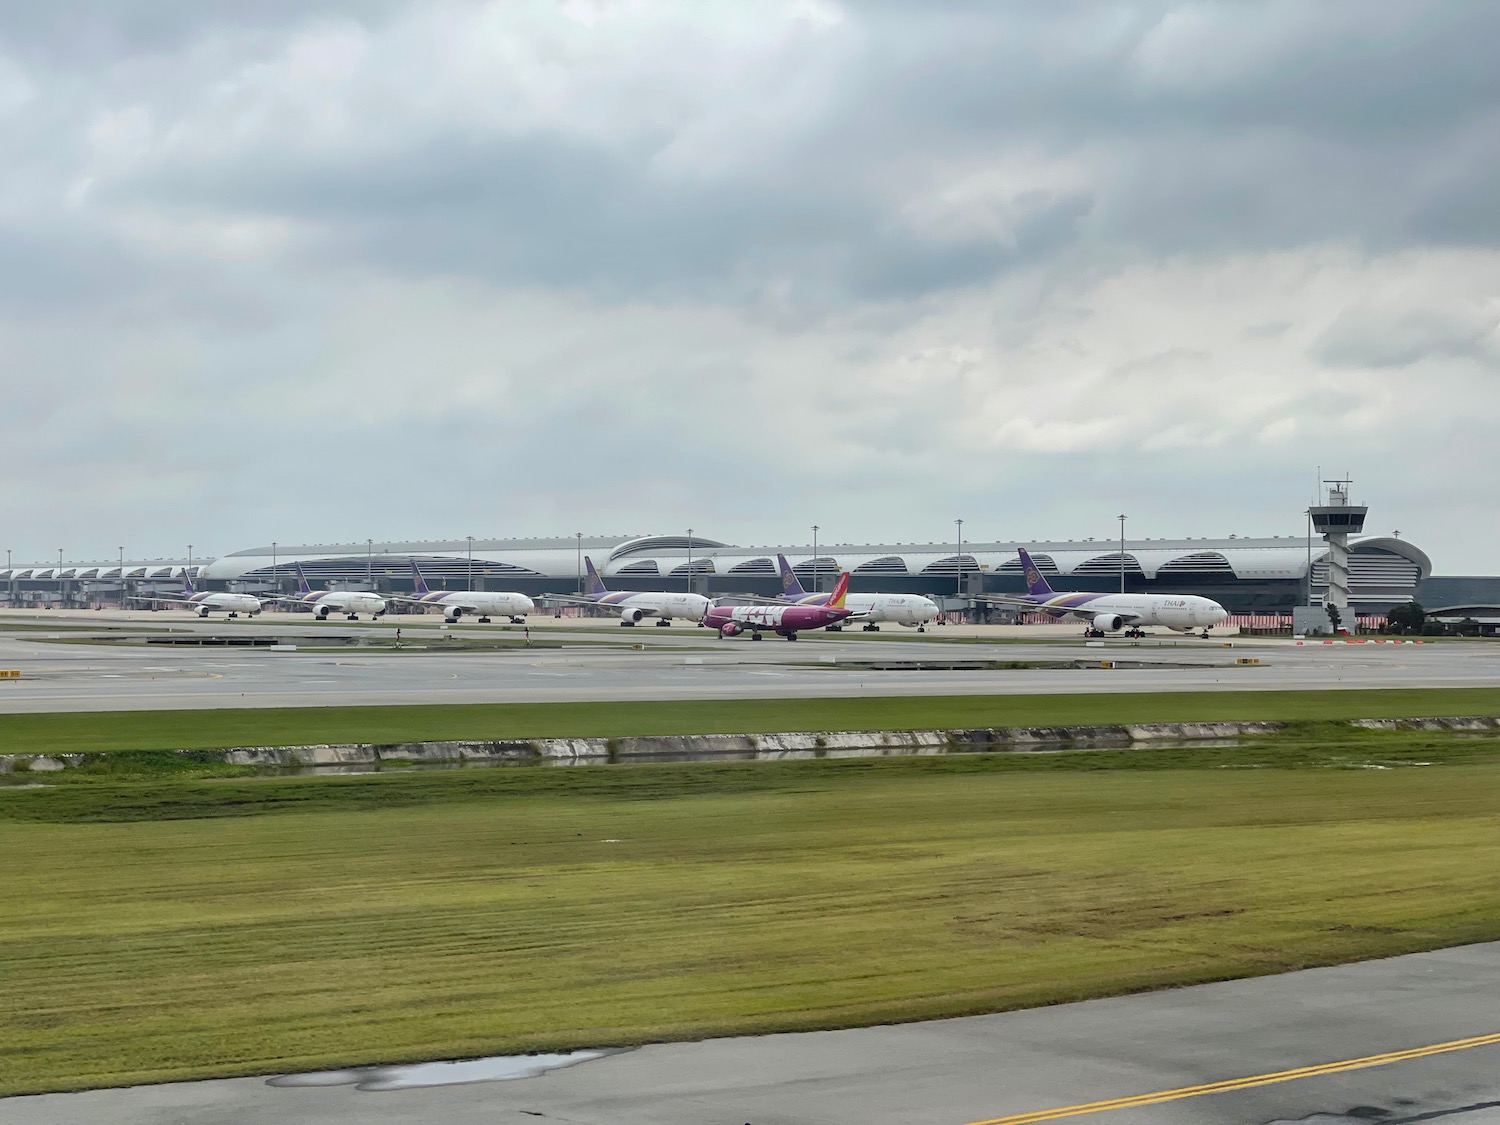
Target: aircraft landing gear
921,628
234,615
833,628
871,628
484,620
354,617
791,636
664,623
1204,635
755,636
518,620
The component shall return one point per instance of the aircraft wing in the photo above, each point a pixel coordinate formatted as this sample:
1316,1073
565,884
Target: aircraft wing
571,599
1041,607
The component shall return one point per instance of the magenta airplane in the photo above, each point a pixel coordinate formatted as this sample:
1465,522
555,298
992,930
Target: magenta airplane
783,620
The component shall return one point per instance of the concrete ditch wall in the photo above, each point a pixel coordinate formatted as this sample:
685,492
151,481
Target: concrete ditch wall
757,747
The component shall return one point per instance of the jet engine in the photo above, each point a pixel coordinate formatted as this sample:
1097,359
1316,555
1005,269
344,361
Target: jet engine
631,615
203,612
1108,622
731,628
321,613
453,614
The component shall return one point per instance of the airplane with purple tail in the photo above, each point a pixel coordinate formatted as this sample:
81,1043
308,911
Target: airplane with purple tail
783,620
477,603
351,603
663,605
1107,613
912,610
204,602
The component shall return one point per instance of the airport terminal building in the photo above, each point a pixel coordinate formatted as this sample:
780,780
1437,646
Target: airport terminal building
1247,576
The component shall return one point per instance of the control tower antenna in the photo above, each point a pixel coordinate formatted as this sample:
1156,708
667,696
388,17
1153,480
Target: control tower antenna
1335,521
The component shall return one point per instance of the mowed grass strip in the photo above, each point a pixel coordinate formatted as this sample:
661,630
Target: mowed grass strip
297,726
154,951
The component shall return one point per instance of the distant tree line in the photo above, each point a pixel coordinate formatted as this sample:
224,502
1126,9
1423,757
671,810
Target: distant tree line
1412,620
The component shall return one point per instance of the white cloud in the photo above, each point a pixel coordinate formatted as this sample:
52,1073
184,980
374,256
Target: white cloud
516,268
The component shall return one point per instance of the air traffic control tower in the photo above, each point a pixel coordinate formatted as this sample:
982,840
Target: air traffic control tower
1335,521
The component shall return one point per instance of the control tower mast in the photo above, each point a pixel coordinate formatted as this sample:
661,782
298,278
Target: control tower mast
1335,521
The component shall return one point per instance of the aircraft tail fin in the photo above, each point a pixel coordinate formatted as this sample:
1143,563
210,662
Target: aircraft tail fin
187,582
594,587
302,586
836,599
419,584
1035,583
791,589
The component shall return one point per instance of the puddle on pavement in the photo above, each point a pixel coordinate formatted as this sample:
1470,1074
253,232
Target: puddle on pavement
500,1068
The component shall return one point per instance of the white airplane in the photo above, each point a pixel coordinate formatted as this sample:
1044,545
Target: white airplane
663,605
203,602
912,610
483,603
351,603
1106,613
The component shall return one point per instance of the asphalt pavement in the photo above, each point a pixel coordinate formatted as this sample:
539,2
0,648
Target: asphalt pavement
72,665
1399,1041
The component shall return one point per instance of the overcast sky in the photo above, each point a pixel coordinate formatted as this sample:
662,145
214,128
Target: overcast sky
320,270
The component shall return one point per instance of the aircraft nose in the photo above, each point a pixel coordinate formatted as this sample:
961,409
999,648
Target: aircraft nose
1218,612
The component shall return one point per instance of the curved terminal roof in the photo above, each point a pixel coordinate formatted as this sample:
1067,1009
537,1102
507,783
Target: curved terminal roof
1278,557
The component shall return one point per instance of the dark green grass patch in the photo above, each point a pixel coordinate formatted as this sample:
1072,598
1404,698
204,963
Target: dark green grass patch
296,726
184,794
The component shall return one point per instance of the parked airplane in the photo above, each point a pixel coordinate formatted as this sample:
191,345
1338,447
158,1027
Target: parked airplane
783,620
204,602
1106,613
455,604
663,605
351,603
911,610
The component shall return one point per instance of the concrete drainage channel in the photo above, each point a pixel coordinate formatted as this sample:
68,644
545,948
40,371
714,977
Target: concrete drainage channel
361,757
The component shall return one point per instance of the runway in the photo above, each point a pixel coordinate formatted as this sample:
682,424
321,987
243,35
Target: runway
577,663
1406,1040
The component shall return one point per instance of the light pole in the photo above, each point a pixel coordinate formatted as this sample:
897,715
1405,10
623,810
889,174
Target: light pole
275,578
816,587
960,559
189,571
470,538
62,587
1309,558
1122,554
578,535
690,560
122,577
370,563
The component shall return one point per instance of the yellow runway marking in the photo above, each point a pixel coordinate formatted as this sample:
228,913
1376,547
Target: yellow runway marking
1243,1083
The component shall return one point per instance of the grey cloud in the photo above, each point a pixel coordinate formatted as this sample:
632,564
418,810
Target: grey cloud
68,33
1393,338
1364,122
1093,143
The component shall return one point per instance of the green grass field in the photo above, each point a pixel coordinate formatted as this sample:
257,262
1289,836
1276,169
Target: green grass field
292,726
485,911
